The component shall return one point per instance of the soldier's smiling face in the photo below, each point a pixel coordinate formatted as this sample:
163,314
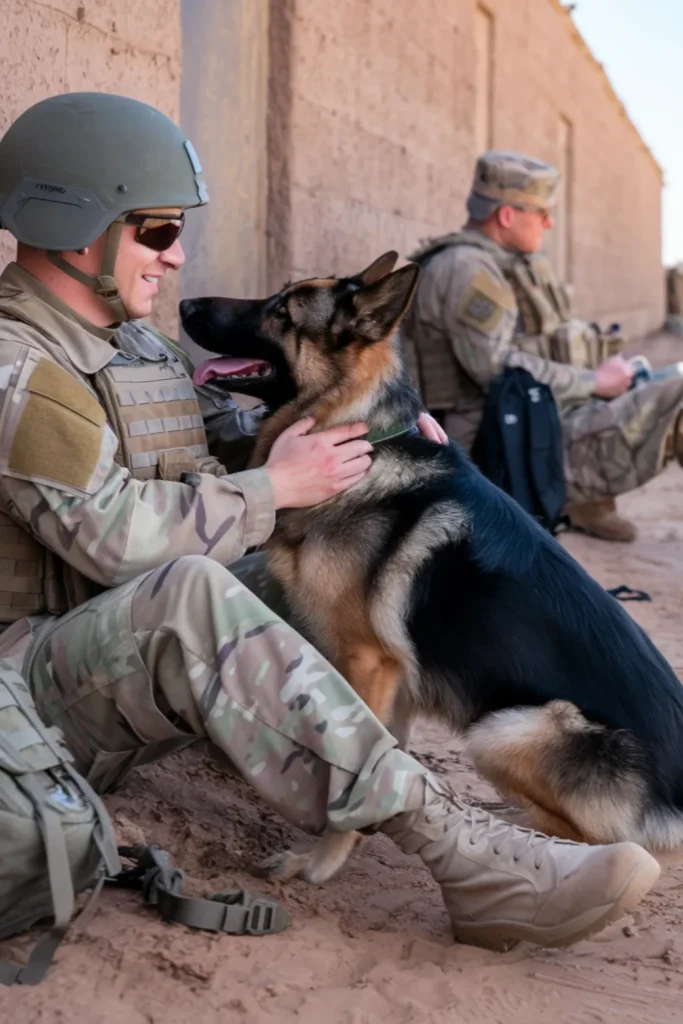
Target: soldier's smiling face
140,270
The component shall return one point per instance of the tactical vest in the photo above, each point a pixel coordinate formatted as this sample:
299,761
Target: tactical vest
541,303
545,326
151,406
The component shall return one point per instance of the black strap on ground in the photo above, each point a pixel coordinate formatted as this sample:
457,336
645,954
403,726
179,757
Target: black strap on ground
238,912
625,593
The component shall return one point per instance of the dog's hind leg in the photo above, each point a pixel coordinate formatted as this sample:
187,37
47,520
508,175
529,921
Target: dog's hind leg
375,675
402,717
575,779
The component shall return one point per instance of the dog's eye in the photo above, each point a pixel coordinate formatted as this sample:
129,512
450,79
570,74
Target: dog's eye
282,311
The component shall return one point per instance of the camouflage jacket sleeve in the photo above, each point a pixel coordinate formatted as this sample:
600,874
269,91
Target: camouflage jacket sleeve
479,313
59,477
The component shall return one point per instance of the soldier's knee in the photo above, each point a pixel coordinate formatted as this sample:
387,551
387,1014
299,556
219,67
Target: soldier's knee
191,592
199,572
202,577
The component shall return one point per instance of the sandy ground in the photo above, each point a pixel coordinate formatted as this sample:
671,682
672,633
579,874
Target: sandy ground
372,946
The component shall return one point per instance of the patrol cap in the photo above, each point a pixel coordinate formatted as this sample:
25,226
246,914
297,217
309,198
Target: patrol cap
503,178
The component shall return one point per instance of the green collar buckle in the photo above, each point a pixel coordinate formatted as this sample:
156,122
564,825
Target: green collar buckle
376,437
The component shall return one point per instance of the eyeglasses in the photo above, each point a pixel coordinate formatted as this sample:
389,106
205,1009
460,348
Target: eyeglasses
155,231
544,212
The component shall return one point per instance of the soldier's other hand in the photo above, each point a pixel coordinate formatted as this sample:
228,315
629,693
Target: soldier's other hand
306,469
613,377
431,429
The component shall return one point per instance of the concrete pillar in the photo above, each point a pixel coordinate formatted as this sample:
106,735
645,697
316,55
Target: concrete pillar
223,110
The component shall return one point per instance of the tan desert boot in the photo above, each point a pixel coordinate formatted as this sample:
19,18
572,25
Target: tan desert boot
600,519
503,884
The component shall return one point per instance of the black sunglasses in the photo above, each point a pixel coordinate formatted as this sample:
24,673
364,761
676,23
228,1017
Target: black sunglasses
156,232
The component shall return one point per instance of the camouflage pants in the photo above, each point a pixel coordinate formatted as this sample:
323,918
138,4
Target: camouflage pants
188,651
614,447
610,447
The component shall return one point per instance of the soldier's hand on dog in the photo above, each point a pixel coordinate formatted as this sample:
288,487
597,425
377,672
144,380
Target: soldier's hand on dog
306,469
613,377
431,429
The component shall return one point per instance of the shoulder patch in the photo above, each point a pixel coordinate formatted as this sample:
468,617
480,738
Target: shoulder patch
58,436
484,303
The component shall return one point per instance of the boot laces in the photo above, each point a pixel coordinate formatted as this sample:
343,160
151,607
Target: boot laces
501,835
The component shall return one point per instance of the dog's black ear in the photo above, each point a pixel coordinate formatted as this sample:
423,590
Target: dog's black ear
382,266
380,306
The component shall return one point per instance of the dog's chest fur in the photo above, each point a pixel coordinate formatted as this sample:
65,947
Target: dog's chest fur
347,561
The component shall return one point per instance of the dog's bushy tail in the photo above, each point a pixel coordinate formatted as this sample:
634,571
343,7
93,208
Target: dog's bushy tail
577,779
661,829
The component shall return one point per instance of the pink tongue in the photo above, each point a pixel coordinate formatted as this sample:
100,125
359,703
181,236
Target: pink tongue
224,368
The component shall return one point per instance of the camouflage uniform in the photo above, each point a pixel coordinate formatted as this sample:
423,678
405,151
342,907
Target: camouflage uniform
480,308
150,641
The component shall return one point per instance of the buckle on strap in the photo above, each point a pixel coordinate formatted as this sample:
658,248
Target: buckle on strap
258,916
237,912
153,870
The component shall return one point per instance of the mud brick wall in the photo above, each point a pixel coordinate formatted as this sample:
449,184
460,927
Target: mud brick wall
331,131
131,47
373,138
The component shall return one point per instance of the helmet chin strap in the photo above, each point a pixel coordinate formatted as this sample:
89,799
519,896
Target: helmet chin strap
103,284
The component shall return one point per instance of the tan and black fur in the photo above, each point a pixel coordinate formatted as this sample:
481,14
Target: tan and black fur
431,590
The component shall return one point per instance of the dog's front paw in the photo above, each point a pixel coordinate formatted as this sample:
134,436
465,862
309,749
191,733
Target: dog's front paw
316,864
284,865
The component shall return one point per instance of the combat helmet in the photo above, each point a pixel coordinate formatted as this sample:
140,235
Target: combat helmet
72,165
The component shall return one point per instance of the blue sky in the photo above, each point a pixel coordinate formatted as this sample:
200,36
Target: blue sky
640,44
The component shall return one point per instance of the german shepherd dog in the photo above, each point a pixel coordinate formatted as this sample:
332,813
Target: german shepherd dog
433,591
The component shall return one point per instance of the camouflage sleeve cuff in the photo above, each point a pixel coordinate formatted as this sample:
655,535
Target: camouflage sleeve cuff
586,383
568,383
259,500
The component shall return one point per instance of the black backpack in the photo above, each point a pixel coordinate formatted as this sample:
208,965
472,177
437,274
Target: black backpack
519,445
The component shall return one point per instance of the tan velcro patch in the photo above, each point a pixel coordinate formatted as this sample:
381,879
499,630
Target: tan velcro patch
484,303
174,462
59,434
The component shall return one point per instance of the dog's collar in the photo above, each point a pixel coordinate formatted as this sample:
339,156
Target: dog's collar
376,437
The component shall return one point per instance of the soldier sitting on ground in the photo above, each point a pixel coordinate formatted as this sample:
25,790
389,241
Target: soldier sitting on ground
488,299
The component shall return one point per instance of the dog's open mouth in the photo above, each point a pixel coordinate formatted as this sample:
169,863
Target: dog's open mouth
231,371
